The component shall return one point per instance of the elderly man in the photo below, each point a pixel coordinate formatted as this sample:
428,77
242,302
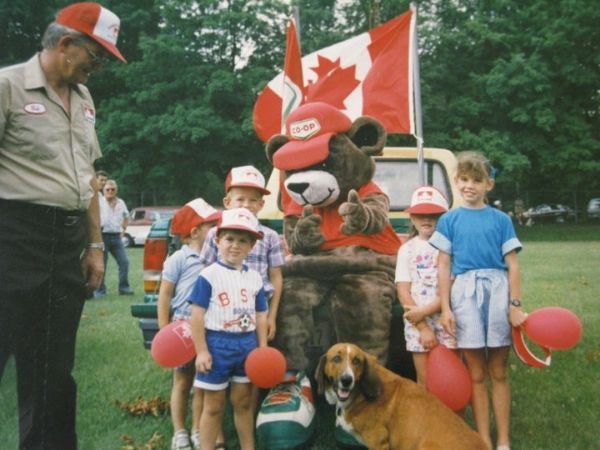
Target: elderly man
114,217
51,249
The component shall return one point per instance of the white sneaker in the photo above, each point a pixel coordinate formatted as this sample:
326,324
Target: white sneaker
181,441
195,437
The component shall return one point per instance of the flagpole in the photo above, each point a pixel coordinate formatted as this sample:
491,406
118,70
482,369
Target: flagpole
417,99
296,16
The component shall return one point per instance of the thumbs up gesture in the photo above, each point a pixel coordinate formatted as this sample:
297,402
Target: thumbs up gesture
354,213
308,229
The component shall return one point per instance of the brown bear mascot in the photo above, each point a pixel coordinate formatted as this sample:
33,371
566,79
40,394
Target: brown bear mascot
337,230
343,253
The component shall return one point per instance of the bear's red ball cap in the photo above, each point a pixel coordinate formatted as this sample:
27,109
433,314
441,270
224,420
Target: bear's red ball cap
309,129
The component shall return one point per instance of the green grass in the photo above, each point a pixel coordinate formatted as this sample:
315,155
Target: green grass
553,408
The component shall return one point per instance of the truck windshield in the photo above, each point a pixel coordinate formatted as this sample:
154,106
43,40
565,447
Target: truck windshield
399,178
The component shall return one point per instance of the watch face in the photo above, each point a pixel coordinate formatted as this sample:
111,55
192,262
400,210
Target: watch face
515,302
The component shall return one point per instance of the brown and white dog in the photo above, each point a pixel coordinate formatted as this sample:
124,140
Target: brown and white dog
385,411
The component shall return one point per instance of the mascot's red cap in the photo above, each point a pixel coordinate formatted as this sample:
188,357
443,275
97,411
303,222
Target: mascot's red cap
309,129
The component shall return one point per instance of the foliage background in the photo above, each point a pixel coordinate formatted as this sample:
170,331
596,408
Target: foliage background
517,80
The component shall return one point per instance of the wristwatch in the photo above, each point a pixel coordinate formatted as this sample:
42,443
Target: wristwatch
96,246
516,302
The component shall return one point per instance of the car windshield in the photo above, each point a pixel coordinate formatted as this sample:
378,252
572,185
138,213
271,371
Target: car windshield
399,179
165,214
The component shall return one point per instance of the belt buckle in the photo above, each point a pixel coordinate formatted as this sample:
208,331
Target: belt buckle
71,220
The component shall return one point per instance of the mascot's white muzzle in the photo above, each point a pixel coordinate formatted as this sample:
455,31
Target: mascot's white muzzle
313,187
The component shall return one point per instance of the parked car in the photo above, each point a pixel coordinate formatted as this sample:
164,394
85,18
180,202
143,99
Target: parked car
140,221
593,208
548,212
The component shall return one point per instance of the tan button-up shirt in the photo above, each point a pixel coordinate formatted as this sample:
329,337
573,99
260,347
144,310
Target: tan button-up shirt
46,156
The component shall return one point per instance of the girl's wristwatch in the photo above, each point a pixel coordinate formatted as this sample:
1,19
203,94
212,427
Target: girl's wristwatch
516,302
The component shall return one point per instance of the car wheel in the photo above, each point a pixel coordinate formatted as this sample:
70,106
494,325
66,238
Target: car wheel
127,240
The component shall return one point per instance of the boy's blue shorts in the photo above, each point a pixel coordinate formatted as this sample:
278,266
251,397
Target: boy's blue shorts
229,352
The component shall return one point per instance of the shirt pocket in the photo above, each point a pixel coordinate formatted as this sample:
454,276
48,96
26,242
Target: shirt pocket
36,136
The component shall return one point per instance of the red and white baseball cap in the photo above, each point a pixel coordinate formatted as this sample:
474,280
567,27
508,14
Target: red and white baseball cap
525,354
246,176
97,22
192,214
240,219
427,200
309,129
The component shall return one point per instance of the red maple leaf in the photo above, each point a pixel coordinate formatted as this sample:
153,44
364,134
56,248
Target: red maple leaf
333,84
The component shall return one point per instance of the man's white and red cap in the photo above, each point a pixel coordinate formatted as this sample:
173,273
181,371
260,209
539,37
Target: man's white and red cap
192,214
246,176
427,200
97,22
309,129
240,219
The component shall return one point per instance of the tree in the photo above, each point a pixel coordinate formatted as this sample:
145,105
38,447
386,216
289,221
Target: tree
519,81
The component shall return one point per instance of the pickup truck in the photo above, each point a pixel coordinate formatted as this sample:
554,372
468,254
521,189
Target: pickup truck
397,174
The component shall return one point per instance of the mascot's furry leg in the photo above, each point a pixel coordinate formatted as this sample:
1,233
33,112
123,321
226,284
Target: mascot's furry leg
295,325
364,299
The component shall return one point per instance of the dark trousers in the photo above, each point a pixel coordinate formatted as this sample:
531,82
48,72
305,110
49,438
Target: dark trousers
41,299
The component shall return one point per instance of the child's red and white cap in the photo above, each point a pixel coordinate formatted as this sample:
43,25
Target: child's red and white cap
427,200
99,23
191,215
247,177
240,219
309,129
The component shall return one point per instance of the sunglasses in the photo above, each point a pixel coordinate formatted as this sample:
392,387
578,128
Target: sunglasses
109,189
95,60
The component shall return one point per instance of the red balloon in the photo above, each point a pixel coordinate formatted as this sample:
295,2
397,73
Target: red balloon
448,378
173,345
553,327
265,366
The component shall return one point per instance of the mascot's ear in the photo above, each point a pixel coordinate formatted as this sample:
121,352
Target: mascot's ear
368,135
273,144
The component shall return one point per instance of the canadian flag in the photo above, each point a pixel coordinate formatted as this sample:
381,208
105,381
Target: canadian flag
369,74
293,84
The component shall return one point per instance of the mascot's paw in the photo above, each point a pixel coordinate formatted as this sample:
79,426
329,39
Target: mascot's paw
308,231
354,213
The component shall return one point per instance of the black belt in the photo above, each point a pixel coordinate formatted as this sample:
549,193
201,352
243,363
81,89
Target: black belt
111,233
43,212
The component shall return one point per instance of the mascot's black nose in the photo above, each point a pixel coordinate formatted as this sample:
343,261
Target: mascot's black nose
298,188
346,380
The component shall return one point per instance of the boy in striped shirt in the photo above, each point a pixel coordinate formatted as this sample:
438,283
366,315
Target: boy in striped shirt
229,320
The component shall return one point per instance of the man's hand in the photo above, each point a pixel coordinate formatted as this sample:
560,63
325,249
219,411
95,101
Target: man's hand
92,267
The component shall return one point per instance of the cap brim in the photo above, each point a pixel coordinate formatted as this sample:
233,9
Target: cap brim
526,355
257,234
300,154
426,208
112,49
249,185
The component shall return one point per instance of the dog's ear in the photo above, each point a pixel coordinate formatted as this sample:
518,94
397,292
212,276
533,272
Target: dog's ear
370,382
320,374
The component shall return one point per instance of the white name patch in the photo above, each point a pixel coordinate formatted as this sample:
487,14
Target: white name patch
35,108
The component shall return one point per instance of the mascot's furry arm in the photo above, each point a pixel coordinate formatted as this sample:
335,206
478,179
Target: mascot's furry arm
368,215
